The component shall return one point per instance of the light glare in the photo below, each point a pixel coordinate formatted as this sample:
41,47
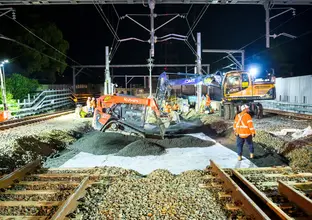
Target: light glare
253,71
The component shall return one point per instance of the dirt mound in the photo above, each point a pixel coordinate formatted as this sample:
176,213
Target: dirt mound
301,158
30,148
141,148
100,143
296,144
269,141
183,142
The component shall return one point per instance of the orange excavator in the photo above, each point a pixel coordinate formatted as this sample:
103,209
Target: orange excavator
129,115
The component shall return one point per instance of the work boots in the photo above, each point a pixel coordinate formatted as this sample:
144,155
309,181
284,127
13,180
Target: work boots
251,156
240,158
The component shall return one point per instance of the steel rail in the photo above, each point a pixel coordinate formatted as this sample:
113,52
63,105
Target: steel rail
248,205
285,113
296,197
18,174
71,203
31,120
76,191
262,196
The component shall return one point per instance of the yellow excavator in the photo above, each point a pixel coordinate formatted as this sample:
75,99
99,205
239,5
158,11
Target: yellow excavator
240,87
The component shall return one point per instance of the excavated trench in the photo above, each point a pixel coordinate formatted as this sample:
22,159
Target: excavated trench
26,149
60,146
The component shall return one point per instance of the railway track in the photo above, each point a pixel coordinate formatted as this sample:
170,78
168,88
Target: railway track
253,193
289,114
263,193
31,119
28,195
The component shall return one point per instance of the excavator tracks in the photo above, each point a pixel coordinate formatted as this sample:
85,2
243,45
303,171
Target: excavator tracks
262,193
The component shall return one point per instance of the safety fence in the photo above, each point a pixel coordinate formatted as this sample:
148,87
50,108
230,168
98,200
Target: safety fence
44,101
288,107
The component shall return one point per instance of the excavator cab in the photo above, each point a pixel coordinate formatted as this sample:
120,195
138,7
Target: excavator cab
128,115
236,82
240,86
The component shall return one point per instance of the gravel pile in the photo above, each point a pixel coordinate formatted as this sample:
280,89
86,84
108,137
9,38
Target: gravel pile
209,119
269,141
24,144
100,143
301,158
141,148
160,195
182,142
277,123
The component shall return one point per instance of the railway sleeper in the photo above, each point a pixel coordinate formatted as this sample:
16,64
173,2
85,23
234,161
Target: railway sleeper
28,210
45,185
24,195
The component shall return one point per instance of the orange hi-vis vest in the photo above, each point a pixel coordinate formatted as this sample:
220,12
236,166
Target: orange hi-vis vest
243,125
167,108
175,107
208,101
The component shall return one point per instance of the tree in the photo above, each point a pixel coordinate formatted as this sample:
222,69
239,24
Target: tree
19,86
37,65
12,103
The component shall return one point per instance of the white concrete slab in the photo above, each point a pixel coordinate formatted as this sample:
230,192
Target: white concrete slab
176,160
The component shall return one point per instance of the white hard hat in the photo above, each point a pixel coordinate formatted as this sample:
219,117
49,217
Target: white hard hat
243,107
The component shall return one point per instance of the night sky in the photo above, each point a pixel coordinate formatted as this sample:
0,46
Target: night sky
222,27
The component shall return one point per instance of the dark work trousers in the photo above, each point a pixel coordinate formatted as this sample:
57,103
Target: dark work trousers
240,143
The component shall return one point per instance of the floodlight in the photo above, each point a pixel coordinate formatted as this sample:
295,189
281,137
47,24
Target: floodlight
253,71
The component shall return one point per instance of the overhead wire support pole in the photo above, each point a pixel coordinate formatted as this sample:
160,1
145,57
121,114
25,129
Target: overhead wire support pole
267,22
267,7
150,67
107,80
74,78
199,71
151,4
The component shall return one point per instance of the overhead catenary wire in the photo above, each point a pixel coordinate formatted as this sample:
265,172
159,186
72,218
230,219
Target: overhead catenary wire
104,18
288,41
110,27
188,23
28,30
199,17
115,46
253,41
33,49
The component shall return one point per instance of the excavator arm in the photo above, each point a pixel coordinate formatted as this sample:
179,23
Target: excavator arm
165,84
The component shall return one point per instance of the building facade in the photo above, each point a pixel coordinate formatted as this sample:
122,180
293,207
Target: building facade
294,89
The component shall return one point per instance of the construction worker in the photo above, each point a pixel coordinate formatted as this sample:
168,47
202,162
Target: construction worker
92,105
175,107
208,101
89,104
167,108
244,131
